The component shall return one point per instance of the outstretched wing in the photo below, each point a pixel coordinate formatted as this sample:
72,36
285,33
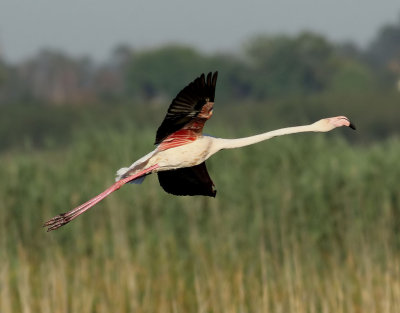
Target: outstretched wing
188,181
192,104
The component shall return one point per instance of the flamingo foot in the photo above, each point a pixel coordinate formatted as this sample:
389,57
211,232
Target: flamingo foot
57,222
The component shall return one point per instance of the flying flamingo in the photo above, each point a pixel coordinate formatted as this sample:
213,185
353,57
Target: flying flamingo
181,148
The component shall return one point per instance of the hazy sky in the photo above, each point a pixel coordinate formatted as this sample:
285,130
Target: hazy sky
95,27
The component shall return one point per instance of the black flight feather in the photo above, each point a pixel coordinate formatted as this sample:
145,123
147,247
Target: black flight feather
187,105
188,181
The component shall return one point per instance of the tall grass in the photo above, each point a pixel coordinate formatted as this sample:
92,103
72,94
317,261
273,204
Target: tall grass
307,223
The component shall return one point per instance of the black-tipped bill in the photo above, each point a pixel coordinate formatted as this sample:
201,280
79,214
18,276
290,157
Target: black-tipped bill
351,125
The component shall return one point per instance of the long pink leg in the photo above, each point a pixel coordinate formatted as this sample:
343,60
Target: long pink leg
64,218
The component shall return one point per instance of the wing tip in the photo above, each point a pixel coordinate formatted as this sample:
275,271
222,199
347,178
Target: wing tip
203,87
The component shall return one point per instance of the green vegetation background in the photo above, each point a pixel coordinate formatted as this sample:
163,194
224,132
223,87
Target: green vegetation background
307,223
304,223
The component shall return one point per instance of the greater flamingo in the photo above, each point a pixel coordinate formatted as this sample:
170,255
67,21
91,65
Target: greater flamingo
181,148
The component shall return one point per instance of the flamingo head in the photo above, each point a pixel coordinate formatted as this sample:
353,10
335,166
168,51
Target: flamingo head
330,123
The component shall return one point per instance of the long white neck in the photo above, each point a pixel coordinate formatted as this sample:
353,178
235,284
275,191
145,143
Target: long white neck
246,141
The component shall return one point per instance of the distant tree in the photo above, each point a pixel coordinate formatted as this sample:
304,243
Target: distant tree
3,89
283,64
350,50
161,72
122,55
384,54
3,70
351,75
110,78
351,70
234,75
56,78
385,48
3,73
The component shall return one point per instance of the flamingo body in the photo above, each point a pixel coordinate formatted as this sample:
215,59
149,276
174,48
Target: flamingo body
184,155
181,148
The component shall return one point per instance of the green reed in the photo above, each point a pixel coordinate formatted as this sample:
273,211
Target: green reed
307,223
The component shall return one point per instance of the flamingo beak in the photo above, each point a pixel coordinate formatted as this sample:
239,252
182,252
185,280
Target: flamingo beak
349,123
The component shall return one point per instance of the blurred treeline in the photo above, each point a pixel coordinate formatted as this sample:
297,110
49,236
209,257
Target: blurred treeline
292,79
